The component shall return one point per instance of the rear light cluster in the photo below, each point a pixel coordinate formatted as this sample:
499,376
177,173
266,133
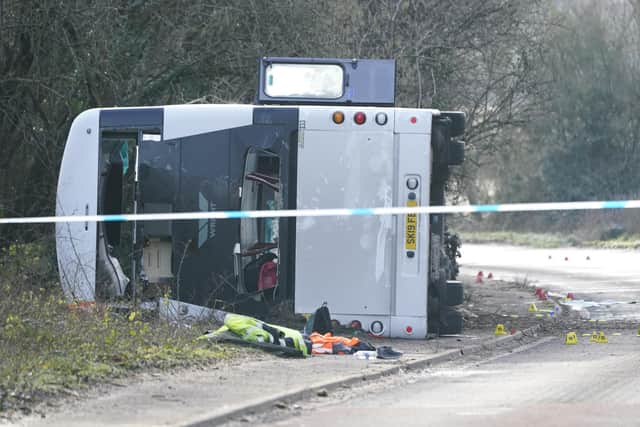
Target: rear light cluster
360,118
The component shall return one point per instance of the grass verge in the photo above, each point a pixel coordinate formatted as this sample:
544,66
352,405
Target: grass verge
48,347
548,240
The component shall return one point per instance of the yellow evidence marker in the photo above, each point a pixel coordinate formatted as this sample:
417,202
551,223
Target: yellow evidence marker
602,338
500,329
571,338
532,308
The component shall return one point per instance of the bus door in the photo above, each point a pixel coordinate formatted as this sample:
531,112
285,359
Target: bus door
256,255
120,245
116,195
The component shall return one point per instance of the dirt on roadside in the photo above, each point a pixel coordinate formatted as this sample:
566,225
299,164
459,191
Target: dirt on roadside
516,306
492,302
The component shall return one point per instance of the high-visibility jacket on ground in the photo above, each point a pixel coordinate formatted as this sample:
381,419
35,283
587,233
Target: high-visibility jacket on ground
256,331
329,344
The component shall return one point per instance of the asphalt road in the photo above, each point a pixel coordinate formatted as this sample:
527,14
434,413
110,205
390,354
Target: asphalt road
550,384
610,278
547,383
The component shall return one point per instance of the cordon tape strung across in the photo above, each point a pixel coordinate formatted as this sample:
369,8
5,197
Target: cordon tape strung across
510,207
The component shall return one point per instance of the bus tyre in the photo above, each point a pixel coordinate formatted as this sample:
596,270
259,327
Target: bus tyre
451,321
457,124
433,315
454,292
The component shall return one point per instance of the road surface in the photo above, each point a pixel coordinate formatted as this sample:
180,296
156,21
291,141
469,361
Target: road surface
599,276
547,383
550,384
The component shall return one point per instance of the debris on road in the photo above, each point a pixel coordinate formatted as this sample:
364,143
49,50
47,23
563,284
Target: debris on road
542,295
322,393
365,355
508,303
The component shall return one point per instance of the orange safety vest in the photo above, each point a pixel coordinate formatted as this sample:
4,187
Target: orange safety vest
328,344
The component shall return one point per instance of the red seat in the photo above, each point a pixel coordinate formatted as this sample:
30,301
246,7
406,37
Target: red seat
268,277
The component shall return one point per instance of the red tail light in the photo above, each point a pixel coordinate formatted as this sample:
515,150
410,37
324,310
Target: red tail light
360,118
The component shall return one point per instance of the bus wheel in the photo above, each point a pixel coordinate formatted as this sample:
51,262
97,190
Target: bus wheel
451,321
454,292
433,315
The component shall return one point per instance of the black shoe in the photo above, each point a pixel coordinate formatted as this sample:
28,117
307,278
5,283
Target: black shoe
386,352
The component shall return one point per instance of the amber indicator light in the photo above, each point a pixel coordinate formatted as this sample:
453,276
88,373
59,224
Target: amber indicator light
338,117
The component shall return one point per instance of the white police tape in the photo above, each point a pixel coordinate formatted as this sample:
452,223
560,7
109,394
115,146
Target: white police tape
177,216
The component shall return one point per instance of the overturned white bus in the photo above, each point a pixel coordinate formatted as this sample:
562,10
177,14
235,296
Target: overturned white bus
324,133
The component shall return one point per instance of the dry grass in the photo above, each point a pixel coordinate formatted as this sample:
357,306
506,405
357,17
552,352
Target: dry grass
48,346
608,228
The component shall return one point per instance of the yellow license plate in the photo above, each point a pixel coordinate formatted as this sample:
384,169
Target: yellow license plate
411,230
